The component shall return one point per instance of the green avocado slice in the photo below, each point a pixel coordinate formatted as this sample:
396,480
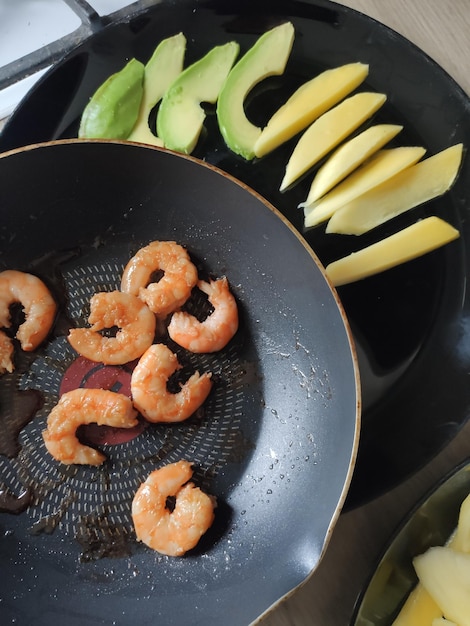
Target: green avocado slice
113,109
163,67
267,57
181,117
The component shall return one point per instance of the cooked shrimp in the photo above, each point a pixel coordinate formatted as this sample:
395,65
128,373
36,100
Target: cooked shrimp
174,287
149,387
38,305
216,330
6,353
112,309
85,406
171,532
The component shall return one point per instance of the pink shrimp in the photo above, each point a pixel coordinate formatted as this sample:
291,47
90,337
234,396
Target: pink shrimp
136,325
216,330
149,387
37,302
85,406
171,532
173,289
6,353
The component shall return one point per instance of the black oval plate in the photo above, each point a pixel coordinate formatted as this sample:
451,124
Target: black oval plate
410,322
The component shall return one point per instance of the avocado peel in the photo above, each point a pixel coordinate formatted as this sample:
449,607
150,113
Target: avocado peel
114,107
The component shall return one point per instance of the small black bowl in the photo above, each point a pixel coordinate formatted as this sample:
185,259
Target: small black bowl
430,523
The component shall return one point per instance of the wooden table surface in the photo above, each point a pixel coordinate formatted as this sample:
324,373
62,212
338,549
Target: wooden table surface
442,29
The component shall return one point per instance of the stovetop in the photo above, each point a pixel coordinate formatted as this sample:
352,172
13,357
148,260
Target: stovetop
35,34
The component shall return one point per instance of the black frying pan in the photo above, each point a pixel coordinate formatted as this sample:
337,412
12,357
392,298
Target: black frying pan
409,323
277,439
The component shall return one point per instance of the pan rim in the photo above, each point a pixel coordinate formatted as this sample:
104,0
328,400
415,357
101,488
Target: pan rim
313,256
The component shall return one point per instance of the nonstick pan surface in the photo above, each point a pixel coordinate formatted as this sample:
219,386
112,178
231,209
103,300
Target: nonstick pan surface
277,438
410,323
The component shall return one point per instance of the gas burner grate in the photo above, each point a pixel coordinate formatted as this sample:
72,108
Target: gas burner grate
26,66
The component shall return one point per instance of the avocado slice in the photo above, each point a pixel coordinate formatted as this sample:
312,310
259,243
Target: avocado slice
163,67
267,57
113,109
180,117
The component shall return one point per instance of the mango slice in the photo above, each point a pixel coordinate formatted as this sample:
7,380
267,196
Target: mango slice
163,67
409,243
446,576
113,109
379,168
180,117
415,185
420,609
349,157
461,540
328,131
267,57
308,102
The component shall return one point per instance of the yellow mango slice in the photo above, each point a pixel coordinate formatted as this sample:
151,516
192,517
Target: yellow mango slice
417,184
409,243
446,576
442,621
165,64
308,102
379,168
328,131
349,157
461,540
419,609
